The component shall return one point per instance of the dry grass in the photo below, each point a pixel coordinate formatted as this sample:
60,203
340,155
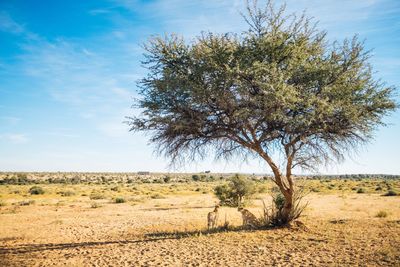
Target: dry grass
165,224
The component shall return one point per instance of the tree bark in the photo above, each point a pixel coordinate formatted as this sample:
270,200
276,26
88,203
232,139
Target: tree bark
287,189
288,206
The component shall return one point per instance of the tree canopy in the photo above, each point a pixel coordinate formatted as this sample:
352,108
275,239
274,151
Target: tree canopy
280,85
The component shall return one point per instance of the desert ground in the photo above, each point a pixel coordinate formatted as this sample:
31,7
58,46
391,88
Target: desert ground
164,224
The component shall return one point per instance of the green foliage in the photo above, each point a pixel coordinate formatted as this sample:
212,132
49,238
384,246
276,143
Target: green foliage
119,200
36,190
236,191
274,215
279,201
361,190
279,85
195,177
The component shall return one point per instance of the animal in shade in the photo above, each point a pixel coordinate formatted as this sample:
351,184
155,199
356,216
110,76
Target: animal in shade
212,218
249,219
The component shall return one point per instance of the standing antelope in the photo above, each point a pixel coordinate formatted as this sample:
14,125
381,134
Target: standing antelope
249,219
212,218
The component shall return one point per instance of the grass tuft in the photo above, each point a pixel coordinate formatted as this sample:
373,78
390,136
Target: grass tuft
382,214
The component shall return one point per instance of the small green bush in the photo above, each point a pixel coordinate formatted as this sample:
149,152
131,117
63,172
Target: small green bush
236,191
119,200
279,201
274,216
36,190
195,177
167,179
361,190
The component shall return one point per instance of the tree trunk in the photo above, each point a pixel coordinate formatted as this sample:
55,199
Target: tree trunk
288,206
287,191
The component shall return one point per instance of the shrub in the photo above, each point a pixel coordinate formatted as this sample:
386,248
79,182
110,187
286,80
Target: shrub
167,179
391,193
95,205
195,177
36,190
67,193
2,203
273,215
262,189
115,188
157,196
382,214
315,190
235,192
361,190
119,200
97,196
26,203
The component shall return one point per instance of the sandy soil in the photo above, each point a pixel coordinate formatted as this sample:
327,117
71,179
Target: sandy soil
341,231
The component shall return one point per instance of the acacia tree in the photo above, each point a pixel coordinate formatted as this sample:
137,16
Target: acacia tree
279,86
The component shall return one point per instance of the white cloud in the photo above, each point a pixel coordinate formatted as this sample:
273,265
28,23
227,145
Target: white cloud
95,76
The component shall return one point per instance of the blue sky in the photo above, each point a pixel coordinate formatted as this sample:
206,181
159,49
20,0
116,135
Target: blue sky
68,72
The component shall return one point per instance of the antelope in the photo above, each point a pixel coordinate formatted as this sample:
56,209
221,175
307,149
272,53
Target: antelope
249,219
212,218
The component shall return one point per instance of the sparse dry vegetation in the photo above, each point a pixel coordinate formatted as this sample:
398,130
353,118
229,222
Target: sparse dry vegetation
171,219
382,214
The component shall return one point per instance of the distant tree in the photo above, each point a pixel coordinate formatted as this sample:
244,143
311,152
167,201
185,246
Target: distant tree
234,193
279,86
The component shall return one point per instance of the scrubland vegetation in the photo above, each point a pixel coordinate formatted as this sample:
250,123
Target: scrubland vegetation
50,216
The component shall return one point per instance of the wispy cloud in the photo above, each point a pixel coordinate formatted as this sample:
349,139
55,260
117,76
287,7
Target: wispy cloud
14,138
7,24
88,81
99,11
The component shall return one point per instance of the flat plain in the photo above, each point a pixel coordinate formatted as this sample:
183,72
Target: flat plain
119,223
